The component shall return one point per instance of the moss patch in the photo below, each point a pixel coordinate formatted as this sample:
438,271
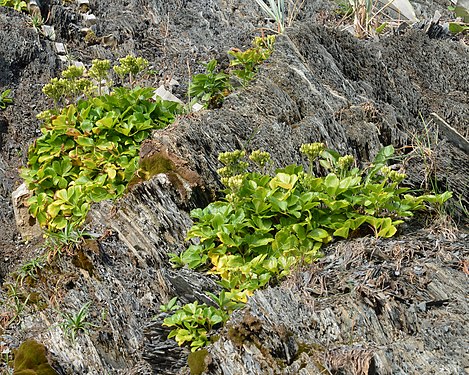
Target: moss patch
30,359
155,158
196,362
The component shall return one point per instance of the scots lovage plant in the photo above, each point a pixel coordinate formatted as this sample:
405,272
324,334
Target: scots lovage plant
192,322
88,151
247,62
210,88
266,225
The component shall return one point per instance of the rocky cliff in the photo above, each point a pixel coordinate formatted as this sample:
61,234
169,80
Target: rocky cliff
388,306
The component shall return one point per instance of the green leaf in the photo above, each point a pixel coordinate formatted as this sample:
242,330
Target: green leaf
106,122
331,182
457,28
261,241
319,235
300,231
53,209
85,141
342,231
99,194
278,205
226,239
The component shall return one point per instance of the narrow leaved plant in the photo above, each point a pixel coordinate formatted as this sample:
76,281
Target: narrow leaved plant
275,9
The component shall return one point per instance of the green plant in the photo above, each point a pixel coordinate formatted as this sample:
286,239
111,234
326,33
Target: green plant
99,71
18,5
37,21
30,269
458,27
66,240
70,87
193,322
89,151
211,87
276,10
250,59
172,305
130,66
17,301
267,225
460,11
423,149
5,99
75,82
72,324
344,8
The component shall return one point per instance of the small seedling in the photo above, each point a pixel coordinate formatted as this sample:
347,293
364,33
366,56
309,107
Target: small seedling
37,21
5,99
73,324
66,240
30,269
170,306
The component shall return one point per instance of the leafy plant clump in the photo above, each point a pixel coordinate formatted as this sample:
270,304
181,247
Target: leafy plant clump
192,322
19,5
211,88
5,99
267,225
248,61
88,151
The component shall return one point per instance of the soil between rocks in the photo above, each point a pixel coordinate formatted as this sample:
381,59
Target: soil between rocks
320,85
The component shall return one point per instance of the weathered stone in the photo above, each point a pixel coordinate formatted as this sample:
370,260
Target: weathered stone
89,19
60,48
26,224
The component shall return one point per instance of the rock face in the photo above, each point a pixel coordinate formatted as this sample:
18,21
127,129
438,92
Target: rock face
369,307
